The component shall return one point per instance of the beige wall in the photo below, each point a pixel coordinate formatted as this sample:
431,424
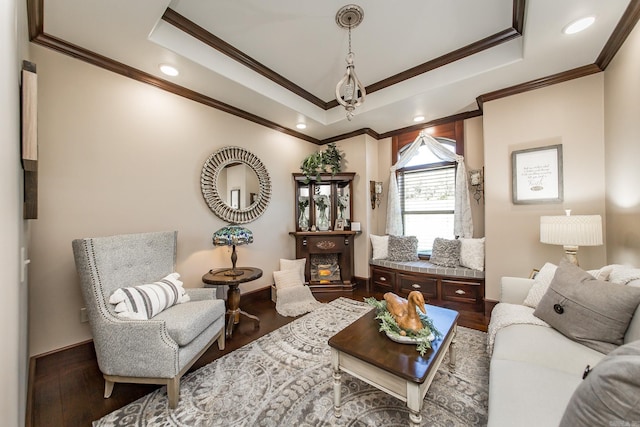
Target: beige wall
361,153
570,114
118,156
474,159
382,174
622,154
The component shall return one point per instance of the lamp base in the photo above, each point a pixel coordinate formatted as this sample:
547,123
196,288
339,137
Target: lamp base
571,252
233,272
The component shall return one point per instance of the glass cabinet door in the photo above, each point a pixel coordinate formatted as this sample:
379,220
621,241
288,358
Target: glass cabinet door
302,213
321,203
343,201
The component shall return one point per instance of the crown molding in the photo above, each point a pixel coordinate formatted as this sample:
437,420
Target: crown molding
35,16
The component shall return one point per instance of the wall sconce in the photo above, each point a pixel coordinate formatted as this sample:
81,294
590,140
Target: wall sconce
376,193
477,182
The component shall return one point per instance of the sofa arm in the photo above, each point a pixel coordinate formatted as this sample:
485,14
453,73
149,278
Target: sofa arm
200,294
514,290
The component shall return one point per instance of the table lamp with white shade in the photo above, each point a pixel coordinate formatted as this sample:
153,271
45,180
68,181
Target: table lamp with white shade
571,231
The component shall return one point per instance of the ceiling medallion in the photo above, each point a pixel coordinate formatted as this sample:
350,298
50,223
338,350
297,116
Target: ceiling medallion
350,92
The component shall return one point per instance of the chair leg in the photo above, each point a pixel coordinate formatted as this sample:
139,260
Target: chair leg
221,341
108,388
173,391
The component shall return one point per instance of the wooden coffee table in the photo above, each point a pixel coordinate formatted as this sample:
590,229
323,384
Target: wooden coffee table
396,369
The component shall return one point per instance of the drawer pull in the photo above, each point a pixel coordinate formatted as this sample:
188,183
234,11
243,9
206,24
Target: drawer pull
415,286
383,279
460,292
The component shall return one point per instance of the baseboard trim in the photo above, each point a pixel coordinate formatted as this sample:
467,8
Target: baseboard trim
488,307
257,294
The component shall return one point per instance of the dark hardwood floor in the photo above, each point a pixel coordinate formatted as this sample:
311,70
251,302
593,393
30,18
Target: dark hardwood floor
66,387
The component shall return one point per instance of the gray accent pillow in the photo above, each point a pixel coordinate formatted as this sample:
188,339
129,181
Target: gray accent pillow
592,312
403,248
445,253
610,394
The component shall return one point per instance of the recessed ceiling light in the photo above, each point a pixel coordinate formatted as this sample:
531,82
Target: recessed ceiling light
418,118
169,70
301,126
579,25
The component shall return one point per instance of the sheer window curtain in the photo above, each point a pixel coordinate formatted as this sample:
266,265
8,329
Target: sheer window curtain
462,221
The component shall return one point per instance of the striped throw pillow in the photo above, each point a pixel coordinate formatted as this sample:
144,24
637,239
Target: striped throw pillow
146,301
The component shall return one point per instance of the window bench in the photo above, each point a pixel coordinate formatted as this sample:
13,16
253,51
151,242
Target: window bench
458,288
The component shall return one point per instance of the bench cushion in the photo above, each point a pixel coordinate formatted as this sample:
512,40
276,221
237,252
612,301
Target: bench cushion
426,267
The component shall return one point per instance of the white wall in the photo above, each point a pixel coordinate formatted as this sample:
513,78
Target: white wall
622,155
118,156
13,314
571,114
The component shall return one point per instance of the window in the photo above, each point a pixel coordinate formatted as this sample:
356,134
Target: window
427,196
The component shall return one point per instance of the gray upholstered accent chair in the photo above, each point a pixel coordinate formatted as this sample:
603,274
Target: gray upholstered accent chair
154,351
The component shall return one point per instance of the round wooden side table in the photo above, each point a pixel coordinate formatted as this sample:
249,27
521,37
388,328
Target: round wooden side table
218,278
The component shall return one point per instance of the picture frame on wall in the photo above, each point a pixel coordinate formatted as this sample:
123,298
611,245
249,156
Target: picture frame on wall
536,175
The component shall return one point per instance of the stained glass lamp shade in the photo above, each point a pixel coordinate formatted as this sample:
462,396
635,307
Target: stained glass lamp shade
233,235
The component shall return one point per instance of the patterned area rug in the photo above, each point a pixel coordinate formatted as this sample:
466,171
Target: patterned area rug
285,379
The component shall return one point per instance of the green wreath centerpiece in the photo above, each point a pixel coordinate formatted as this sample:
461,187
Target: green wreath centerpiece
388,325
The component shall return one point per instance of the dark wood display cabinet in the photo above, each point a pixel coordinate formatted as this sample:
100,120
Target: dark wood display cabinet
323,213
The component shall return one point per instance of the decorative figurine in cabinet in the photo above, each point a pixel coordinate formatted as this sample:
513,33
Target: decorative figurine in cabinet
323,204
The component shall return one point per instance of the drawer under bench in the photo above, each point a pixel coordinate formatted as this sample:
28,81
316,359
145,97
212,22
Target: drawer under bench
460,293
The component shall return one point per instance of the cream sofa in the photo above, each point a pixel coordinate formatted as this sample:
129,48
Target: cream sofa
535,369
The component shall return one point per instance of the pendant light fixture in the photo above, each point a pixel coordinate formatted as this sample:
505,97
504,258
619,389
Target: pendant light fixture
350,91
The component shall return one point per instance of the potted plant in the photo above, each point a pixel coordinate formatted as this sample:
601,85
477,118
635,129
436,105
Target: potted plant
320,162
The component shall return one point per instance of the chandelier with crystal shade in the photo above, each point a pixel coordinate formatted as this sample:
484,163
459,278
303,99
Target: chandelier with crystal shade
350,92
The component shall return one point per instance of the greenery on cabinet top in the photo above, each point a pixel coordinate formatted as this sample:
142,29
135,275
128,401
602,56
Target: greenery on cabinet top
316,164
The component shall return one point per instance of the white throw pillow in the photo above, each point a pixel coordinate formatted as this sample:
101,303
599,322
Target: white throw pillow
472,253
603,272
294,264
146,301
380,245
623,274
542,281
286,279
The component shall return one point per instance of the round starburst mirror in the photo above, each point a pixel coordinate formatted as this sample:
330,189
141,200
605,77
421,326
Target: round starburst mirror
235,185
